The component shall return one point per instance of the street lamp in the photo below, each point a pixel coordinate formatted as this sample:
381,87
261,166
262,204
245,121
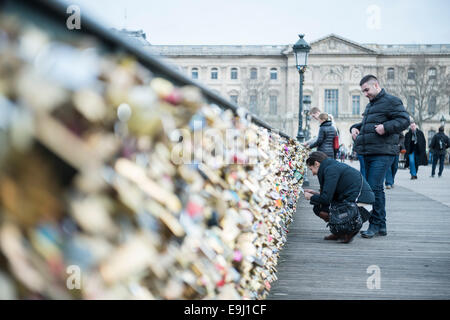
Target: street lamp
443,121
301,49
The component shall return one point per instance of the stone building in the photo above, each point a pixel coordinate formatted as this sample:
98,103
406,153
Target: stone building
264,79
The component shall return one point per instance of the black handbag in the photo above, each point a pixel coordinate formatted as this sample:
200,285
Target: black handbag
345,216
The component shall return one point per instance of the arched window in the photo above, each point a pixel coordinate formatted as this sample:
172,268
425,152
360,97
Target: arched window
411,74
253,73
234,73
214,73
273,74
390,74
194,73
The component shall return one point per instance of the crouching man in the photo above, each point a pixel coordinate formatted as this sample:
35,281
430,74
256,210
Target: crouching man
339,183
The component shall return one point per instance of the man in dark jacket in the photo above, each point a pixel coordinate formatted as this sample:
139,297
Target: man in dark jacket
326,136
439,144
376,139
415,146
338,183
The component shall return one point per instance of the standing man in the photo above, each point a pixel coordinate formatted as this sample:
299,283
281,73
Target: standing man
376,139
415,145
439,145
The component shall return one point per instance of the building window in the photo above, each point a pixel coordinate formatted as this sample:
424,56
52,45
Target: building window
412,105
194,73
432,105
234,98
356,104
234,73
273,104
390,74
432,73
411,74
253,74
214,73
273,74
253,103
331,101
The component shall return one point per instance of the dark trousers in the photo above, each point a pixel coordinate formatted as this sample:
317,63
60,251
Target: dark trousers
376,167
391,172
441,158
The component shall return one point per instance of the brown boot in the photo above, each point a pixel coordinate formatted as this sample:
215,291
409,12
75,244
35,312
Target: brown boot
348,237
331,237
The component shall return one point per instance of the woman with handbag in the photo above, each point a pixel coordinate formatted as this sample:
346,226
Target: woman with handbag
343,198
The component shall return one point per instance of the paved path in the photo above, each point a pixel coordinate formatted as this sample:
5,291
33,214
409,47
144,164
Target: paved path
413,259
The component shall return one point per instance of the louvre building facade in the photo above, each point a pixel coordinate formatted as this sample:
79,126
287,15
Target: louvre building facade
264,79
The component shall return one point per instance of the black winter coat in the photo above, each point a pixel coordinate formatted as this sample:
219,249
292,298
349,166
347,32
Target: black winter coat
434,144
420,154
339,182
389,111
325,139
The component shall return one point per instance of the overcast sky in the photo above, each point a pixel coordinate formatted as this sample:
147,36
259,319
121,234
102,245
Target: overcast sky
276,21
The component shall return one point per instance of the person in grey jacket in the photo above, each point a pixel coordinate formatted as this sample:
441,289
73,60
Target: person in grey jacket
325,138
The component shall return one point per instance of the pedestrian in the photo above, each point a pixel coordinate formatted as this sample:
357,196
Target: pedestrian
392,169
415,145
342,153
339,183
376,139
438,146
314,113
325,137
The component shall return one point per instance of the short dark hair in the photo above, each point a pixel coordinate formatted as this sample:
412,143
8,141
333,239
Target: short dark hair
441,129
318,156
367,78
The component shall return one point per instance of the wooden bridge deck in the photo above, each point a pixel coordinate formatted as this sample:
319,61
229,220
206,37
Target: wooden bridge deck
413,259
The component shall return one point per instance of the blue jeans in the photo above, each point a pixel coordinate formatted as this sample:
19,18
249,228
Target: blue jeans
412,165
376,167
391,172
441,158
362,168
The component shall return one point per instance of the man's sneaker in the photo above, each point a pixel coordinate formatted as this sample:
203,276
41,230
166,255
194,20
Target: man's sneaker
388,187
432,176
382,231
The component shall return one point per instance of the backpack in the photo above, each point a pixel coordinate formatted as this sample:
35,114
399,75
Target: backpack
336,142
441,145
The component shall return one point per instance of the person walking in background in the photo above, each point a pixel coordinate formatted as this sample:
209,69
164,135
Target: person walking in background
325,137
376,139
392,169
415,145
438,147
338,183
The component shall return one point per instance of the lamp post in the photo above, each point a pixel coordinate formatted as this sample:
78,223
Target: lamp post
301,49
443,121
